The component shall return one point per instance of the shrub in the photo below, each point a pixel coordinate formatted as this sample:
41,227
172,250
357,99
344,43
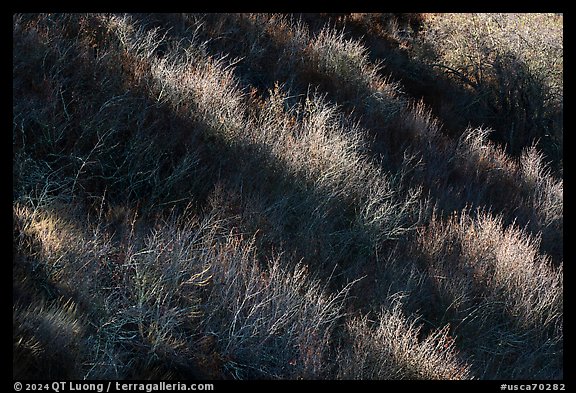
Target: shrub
390,348
503,297
188,204
269,322
514,64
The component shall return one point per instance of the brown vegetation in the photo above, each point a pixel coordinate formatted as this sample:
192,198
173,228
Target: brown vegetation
248,196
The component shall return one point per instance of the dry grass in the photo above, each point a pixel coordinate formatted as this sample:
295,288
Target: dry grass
516,73
188,204
390,348
48,341
269,322
491,280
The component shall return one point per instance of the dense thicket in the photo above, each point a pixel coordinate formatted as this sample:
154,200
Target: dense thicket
348,196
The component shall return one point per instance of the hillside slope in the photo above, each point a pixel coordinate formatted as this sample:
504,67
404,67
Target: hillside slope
317,196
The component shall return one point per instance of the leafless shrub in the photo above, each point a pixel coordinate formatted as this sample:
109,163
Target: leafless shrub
514,63
492,279
390,348
269,322
187,205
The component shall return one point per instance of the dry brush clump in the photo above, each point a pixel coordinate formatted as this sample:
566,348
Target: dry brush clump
390,348
502,296
513,63
545,196
535,196
156,297
269,321
320,135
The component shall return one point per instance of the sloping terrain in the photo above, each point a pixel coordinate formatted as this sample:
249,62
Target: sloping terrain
274,196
